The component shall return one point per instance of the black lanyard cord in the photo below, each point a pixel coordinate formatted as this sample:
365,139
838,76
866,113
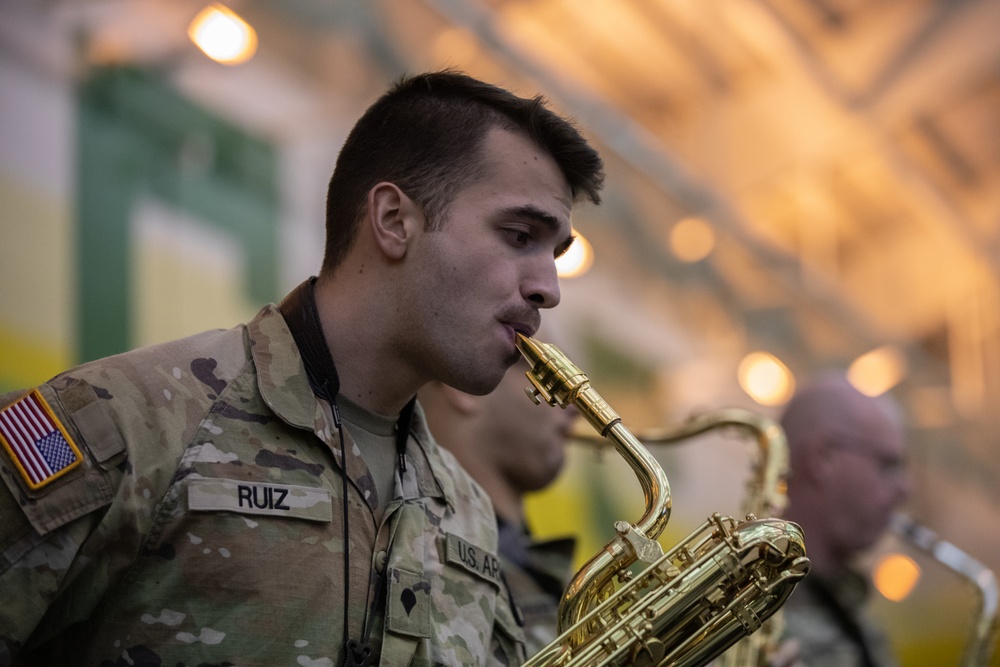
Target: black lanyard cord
356,653
349,649
302,317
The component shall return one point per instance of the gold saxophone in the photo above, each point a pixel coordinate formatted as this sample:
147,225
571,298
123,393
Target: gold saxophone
979,646
717,586
766,497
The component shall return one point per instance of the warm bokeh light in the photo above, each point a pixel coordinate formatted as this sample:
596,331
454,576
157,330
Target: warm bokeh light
765,378
878,371
692,239
454,46
930,407
895,575
223,35
577,260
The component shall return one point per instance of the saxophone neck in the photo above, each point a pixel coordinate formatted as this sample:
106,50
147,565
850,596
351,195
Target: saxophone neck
557,381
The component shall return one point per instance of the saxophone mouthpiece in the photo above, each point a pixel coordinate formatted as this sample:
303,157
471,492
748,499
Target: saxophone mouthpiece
538,356
553,376
531,349
557,381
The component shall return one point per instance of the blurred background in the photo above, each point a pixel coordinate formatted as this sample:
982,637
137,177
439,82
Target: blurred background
793,186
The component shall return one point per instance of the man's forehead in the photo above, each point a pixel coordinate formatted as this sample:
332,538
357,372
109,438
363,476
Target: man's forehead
877,437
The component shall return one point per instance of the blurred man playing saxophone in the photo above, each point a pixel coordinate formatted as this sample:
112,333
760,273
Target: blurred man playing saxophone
848,478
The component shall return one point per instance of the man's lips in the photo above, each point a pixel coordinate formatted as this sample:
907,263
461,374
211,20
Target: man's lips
526,328
511,332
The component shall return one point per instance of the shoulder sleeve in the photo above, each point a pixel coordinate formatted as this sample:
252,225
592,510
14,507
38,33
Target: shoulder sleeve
57,446
54,481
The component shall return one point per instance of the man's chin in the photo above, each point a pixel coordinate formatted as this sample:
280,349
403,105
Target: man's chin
482,385
481,380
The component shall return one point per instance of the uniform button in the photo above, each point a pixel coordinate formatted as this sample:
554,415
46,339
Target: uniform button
380,558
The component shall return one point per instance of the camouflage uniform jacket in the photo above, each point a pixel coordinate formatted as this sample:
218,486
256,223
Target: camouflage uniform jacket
204,524
827,616
537,572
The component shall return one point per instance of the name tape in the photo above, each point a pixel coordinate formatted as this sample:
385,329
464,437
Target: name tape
295,502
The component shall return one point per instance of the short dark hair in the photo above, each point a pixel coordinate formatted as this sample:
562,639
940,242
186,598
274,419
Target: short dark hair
425,135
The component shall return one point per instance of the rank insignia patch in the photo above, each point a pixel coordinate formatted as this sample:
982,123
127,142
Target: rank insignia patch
40,446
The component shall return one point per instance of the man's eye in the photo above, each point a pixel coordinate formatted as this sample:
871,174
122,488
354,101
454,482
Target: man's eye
518,237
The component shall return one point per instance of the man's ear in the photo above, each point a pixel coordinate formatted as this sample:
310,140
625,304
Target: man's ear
394,219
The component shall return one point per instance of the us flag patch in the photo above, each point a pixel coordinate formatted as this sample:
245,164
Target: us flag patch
41,448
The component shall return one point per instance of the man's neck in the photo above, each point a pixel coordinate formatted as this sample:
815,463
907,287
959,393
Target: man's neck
508,502
508,505
371,374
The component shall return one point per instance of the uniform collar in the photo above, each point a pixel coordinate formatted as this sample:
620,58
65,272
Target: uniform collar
848,587
284,383
302,318
438,474
281,374
553,556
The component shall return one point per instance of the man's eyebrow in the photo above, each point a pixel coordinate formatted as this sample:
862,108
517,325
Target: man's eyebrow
534,213
545,218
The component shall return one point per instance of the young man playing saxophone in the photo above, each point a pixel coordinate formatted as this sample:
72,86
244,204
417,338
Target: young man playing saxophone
270,495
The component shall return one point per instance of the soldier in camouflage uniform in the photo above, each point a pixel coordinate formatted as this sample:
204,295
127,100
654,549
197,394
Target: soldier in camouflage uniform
512,447
270,494
848,477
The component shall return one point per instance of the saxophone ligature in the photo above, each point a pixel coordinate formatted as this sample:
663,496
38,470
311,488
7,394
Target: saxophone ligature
687,606
979,645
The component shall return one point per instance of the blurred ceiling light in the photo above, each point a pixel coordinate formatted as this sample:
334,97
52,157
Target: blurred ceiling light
878,371
765,378
692,239
223,35
455,46
895,575
577,260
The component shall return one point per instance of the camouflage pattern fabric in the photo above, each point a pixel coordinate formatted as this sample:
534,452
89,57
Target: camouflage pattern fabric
828,635
205,525
537,572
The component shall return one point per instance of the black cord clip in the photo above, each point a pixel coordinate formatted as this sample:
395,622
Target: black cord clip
358,653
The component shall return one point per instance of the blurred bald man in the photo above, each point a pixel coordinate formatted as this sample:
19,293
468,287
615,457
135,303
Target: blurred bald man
848,454
512,447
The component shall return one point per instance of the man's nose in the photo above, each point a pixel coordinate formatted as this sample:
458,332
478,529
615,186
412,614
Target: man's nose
904,485
541,286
